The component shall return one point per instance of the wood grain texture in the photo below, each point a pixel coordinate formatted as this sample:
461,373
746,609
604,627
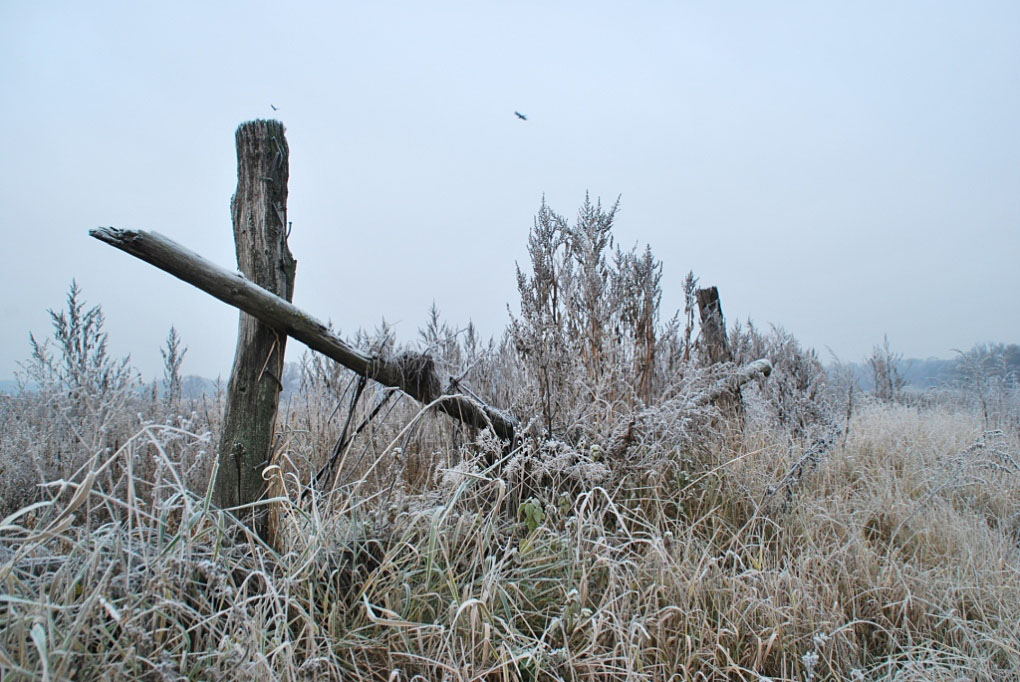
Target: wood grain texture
259,216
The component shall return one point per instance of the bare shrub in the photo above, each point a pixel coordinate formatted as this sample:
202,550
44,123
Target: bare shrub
589,338
173,357
990,376
793,396
77,401
885,371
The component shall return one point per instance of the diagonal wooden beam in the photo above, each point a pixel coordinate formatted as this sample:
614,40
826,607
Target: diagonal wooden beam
412,373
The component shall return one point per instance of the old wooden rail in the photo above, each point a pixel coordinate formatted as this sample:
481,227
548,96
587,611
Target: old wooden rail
412,374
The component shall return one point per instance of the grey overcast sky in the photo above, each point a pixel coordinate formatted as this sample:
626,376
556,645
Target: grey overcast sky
842,169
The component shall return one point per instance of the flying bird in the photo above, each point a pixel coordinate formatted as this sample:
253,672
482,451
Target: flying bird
521,116
273,107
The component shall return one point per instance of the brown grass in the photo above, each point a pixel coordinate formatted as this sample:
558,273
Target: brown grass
894,558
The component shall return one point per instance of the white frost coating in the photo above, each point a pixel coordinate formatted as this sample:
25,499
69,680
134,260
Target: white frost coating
732,382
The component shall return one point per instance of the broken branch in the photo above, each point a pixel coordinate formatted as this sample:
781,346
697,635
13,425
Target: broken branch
413,374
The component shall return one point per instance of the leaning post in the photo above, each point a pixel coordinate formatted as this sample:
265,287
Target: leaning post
259,213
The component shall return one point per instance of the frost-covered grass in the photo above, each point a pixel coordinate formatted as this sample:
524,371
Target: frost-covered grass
634,530
894,557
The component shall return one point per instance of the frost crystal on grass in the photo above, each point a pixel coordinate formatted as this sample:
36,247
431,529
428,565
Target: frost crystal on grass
810,660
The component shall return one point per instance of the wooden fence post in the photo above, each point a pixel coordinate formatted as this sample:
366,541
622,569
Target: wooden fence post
716,348
713,327
259,212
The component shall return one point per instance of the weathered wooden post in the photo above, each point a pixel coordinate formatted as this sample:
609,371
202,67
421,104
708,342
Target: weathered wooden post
713,327
259,212
716,348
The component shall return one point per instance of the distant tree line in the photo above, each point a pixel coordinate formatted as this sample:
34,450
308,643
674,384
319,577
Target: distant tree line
984,361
